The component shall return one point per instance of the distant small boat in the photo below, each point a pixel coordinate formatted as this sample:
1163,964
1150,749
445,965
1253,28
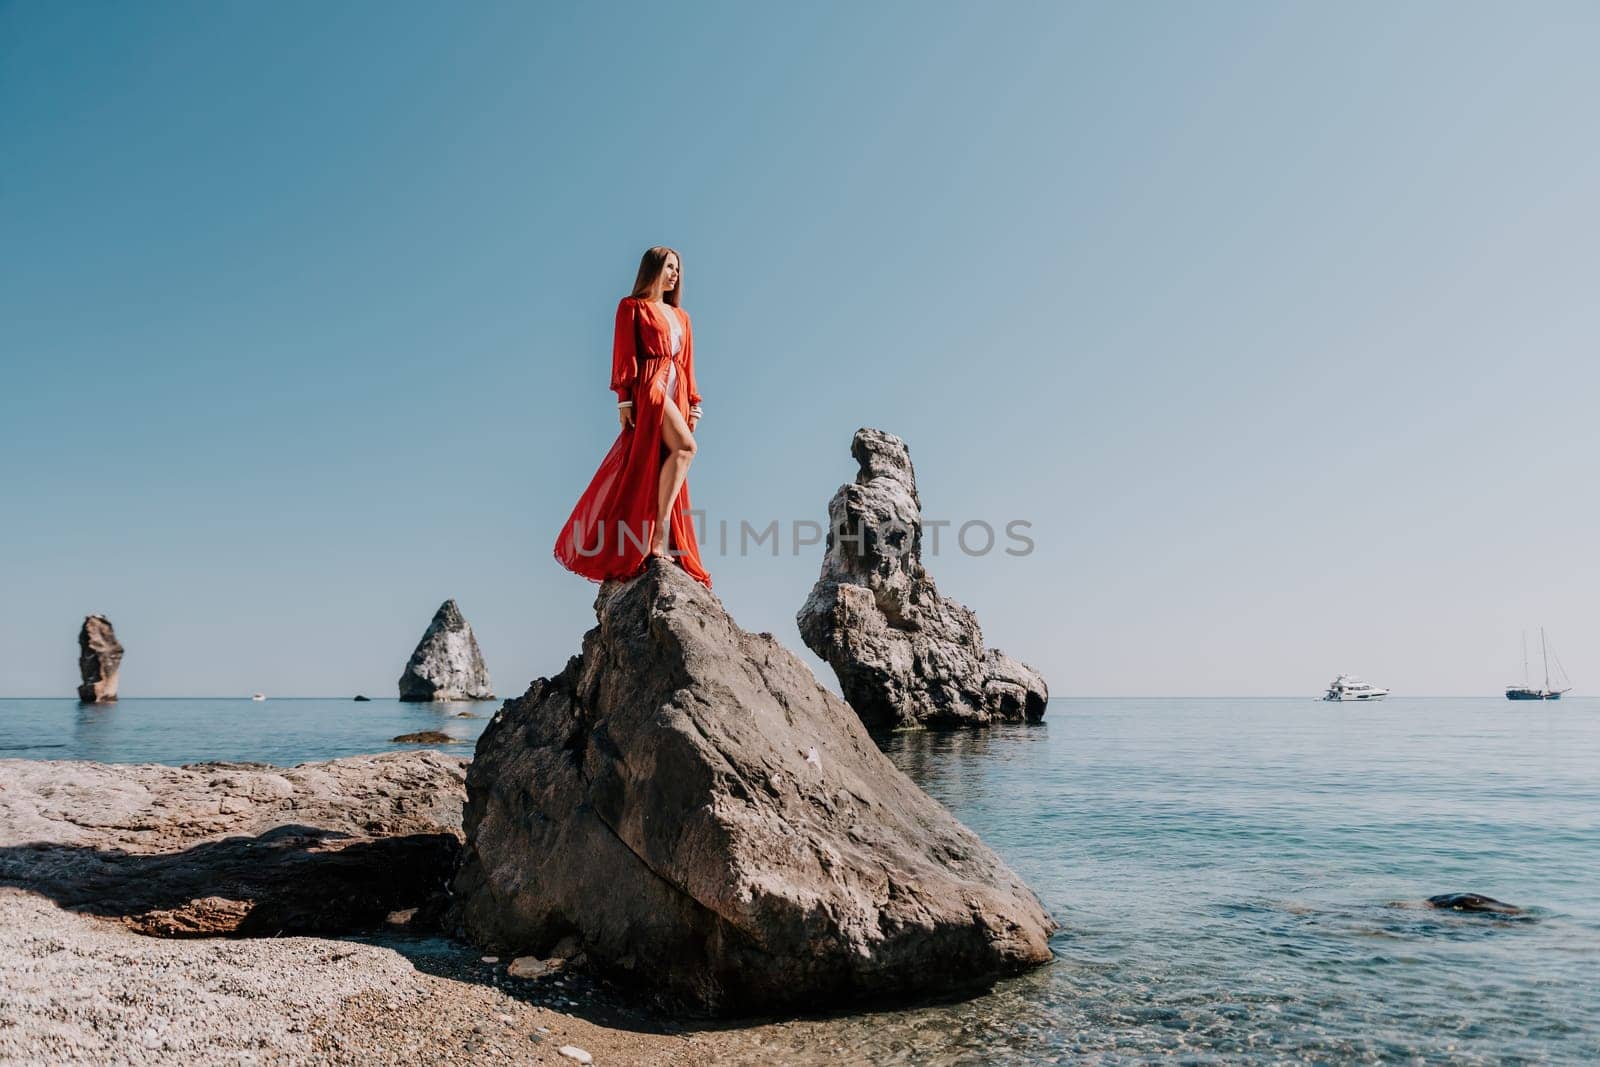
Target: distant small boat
1526,691
1349,687
258,696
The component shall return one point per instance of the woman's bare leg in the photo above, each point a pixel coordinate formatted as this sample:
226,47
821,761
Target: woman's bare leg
674,469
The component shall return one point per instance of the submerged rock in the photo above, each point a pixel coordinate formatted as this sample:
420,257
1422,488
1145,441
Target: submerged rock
235,849
447,664
687,806
425,737
904,654
1473,902
99,660
534,967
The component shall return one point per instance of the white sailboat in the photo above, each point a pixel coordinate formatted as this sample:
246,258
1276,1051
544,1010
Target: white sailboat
1526,691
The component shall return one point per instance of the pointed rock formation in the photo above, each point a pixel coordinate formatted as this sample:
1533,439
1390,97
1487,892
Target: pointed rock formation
904,654
447,664
707,821
99,660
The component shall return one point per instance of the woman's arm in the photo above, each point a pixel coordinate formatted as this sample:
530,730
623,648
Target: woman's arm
624,358
688,370
624,353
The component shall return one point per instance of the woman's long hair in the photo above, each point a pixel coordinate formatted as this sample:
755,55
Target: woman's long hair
650,269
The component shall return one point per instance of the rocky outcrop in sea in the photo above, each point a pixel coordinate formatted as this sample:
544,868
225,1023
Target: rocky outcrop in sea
447,664
99,660
686,807
904,654
235,849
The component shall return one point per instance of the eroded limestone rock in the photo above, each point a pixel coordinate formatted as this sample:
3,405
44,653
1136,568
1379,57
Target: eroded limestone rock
99,660
446,664
904,654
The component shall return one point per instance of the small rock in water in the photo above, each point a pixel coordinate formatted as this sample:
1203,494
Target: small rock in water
424,737
491,959
573,1052
527,967
401,917
1473,902
362,700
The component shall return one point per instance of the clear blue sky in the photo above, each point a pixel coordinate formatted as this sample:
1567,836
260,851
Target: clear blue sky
1277,322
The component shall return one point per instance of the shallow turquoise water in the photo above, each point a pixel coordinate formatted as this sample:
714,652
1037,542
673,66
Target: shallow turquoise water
1237,880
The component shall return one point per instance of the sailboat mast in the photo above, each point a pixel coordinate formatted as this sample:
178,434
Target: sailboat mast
1524,659
1546,653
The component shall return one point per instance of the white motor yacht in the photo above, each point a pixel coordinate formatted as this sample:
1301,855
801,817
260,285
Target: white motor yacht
1349,687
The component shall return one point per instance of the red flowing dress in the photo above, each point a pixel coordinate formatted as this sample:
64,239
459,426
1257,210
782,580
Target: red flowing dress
610,529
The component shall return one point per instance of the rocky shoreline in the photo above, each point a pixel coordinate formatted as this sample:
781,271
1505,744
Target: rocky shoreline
151,914
75,989
683,811
129,933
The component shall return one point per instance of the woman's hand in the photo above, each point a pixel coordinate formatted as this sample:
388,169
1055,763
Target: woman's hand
692,419
625,416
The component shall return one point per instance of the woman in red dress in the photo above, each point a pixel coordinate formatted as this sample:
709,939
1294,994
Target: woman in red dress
637,503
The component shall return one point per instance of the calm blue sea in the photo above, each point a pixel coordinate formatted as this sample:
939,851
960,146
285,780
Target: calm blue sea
1237,880
177,731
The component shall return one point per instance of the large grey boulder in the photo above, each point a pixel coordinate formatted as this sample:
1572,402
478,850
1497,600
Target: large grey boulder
447,664
235,849
99,660
904,655
686,802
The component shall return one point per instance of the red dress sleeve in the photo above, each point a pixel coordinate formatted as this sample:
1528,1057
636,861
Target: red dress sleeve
688,360
624,355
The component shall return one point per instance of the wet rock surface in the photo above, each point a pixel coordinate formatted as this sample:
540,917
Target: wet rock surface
904,654
1473,902
687,807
